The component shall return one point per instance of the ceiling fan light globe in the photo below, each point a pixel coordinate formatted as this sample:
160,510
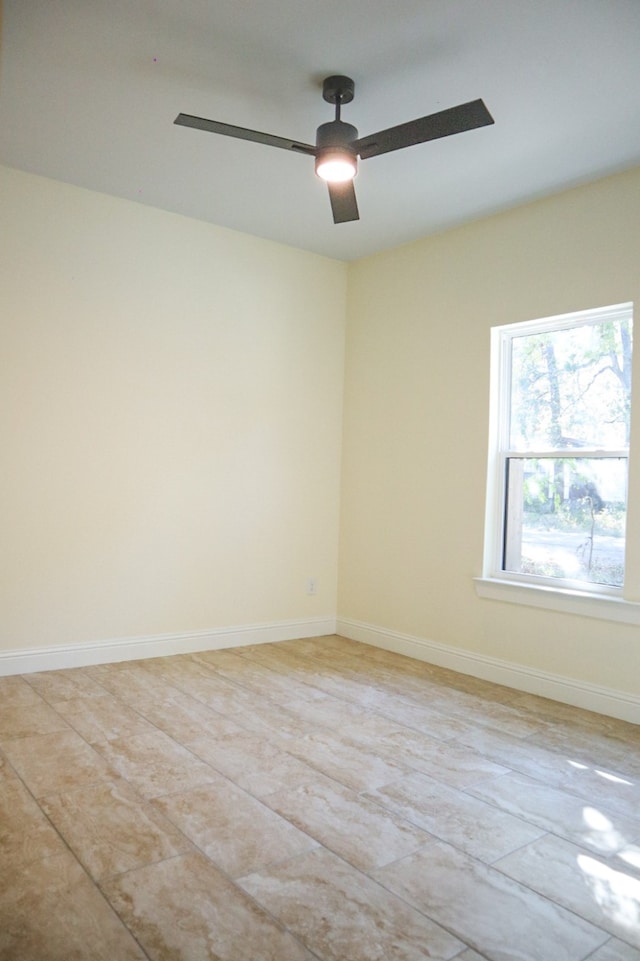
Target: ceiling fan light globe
336,167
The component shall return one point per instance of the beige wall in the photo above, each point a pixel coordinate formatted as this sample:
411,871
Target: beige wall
171,400
416,424
170,414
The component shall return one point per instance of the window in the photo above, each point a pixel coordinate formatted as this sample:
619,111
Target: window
560,413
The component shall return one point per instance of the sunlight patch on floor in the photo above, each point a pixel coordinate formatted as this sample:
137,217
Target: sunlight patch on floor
616,893
601,832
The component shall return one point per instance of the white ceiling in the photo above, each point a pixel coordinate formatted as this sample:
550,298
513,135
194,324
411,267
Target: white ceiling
89,90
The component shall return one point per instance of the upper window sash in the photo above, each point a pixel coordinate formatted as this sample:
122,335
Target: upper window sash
502,355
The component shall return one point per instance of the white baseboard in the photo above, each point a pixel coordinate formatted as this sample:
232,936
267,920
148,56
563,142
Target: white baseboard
602,700
592,697
132,648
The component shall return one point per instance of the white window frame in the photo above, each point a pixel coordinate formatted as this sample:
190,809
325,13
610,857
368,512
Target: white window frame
557,593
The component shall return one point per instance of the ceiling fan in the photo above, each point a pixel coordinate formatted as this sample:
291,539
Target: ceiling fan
338,146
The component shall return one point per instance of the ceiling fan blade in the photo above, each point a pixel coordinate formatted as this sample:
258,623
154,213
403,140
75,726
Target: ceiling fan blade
466,116
343,202
243,133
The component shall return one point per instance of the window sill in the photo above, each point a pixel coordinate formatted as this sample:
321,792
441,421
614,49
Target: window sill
559,599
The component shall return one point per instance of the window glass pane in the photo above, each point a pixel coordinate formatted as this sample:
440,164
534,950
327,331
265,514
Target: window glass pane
565,517
572,388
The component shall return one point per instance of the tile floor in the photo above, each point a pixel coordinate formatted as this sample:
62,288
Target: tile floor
313,799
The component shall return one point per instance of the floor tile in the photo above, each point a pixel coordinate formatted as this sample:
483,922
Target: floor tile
217,659
178,672
383,734
51,911
494,915
602,786
110,829
264,716
169,666
340,914
233,828
569,717
62,685
312,646
392,673
517,754
453,816
596,749
373,695
184,909
360,770
256,677
104,718
15,692
56,762
459,704
133,684
256,714
252,762
558,812
456,765
424,719
560,769
184,719
613,950
358,830
25,833
26,720
326,711
388,733
278,658
605,891
490,713
155,764
311,673
6,771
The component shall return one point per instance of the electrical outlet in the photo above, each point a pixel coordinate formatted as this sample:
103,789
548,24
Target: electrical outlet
312,585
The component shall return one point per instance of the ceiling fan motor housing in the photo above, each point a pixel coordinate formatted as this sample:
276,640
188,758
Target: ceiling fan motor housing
336,133
336,137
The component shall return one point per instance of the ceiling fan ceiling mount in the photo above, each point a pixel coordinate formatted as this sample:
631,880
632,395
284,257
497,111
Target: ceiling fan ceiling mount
338,142
338,89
